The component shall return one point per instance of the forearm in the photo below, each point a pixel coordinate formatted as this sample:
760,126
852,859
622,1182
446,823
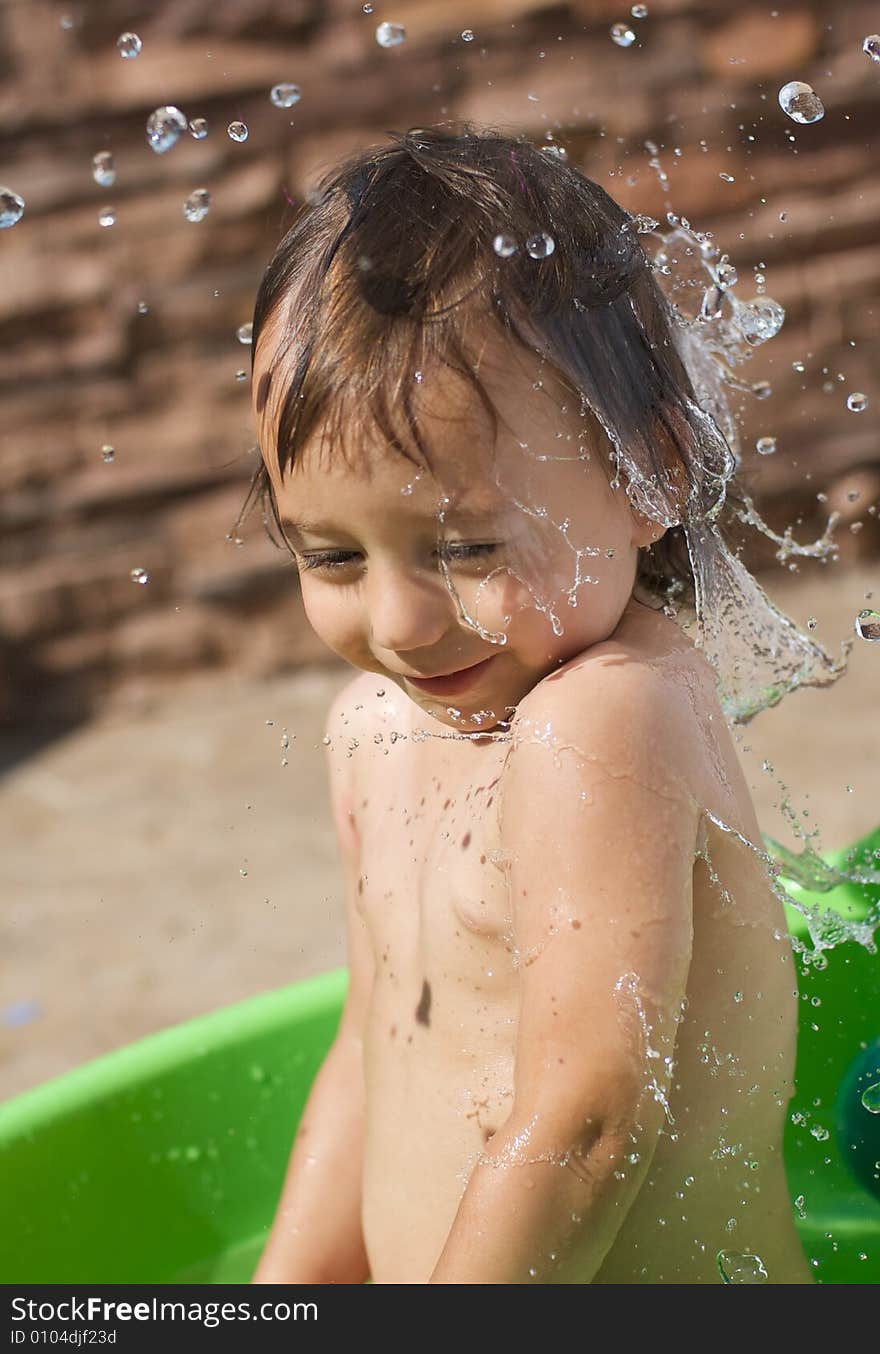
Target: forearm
316,1235
528,1220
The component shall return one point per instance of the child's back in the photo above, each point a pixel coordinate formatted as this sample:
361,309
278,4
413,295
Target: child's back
440,1023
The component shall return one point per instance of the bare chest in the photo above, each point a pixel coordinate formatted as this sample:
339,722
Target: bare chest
434,892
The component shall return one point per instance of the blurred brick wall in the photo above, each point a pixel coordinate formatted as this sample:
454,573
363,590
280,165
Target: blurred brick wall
126,335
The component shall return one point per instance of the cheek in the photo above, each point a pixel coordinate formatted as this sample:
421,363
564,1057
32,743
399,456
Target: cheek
332,615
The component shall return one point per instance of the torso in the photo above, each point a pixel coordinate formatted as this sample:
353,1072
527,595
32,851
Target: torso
439,1042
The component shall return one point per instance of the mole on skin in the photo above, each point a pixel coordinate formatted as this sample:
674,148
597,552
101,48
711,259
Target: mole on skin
424,1007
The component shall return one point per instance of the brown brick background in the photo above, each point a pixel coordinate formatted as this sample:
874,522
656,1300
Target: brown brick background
82,366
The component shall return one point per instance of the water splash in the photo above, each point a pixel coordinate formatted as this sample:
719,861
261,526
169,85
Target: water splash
540,246
197,205
738,1267
11,208
129,45
867,625
800,102
504,245
622,35
390,35
103,169
164,128
285,95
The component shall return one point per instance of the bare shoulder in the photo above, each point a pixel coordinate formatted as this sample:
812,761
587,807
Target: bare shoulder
640,699
365,705
364,708
645,702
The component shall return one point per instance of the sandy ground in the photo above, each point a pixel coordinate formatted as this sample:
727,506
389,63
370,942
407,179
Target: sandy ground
162,861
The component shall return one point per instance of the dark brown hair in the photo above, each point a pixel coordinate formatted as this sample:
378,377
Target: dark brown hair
396,248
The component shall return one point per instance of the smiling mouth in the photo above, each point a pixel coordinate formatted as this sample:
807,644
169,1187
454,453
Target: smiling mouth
450,683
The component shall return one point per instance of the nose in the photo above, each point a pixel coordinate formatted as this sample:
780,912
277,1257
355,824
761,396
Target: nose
408,610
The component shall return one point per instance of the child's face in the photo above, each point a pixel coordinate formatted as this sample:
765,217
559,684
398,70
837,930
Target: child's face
532,562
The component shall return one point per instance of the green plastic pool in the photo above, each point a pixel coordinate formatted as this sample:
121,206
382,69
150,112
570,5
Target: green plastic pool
162,1162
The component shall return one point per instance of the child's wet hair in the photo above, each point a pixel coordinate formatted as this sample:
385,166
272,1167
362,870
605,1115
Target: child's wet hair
393,260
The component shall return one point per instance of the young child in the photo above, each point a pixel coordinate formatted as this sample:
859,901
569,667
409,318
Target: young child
568,1043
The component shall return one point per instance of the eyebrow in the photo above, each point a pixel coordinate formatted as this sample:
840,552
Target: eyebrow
459,514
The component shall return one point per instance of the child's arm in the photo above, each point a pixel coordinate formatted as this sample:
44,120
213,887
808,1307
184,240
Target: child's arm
316,1236
599,830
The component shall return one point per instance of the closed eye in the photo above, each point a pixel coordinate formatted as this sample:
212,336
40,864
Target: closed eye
334,560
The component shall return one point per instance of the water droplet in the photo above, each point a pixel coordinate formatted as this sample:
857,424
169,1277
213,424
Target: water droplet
243,872
800,102
740,1268
197,205
108,453
67,21
390,35
725,273
762,390
245,333
139,576
237,131
765,446
103,169
728,178
467,35
798,366
871,46
644,224
11,208
812,623
639,11
857,403
623,35
712,303
285,96
368,8
819,1133
241,375
540,246
164,126
198,128
143,308
504,246
107,216
867,625
759,320
737,996
129,45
